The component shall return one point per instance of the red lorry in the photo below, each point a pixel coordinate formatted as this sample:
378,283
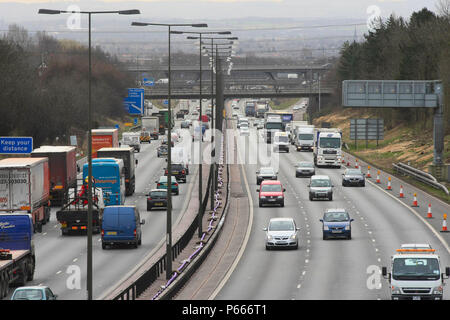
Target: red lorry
104,138
63,170
25,188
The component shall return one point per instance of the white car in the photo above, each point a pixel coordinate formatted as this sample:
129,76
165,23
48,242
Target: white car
281,232
244,131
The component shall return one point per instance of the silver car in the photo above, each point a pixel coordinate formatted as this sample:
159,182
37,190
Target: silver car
281,232
305,168
320,187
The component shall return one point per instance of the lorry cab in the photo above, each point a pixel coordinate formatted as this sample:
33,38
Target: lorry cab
416,273
121,225
109,175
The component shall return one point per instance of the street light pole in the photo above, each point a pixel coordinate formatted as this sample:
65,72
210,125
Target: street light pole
89,276
169,256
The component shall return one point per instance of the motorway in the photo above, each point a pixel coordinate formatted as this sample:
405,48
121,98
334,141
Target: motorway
58,257
322,269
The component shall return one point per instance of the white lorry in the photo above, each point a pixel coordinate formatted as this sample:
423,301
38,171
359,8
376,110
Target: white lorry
132,139
327,147
304,138
150,124
416,273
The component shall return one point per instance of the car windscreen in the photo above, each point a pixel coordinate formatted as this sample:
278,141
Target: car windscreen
281,226
28,294
336,216
267,171
305,165
320,183
158,194
415,269
330,142
271,188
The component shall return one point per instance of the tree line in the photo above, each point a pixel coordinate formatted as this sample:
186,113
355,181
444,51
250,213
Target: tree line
396,49
44,85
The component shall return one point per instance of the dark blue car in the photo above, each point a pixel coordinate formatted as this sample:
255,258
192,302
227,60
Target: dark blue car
121,225
336,223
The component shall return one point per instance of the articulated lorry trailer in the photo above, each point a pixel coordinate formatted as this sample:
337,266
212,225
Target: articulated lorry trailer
129,163
62,163
17,257
25,188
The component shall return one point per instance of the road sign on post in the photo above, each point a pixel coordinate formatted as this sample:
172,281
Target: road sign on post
135,101
16,145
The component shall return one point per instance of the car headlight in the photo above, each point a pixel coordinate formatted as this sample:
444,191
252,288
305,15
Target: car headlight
438,290
395,290
325,228
347,227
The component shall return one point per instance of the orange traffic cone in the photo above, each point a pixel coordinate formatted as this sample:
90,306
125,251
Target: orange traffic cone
429,214
415,201
389,187
378,177
444,224
401,192
368,172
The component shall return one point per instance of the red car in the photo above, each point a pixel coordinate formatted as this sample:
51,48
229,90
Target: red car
271,192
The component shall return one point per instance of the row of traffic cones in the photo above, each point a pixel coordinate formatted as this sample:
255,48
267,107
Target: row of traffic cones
401,194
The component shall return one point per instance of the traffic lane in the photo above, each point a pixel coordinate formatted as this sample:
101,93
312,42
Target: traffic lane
389,222
52,265
262,274
55,252
332,273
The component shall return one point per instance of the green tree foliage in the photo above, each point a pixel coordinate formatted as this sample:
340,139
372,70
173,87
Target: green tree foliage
45,87
417,49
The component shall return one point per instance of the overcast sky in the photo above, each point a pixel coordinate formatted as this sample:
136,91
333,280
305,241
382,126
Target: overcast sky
18,11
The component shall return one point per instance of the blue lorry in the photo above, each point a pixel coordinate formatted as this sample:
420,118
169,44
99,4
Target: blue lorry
109,175
17,258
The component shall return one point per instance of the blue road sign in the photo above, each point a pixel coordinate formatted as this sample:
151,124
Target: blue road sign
149,82
135,101
16,145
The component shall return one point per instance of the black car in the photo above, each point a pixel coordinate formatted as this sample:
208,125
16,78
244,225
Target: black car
178,171
157,198
180,114
162,151
266,173
353,177
304,169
